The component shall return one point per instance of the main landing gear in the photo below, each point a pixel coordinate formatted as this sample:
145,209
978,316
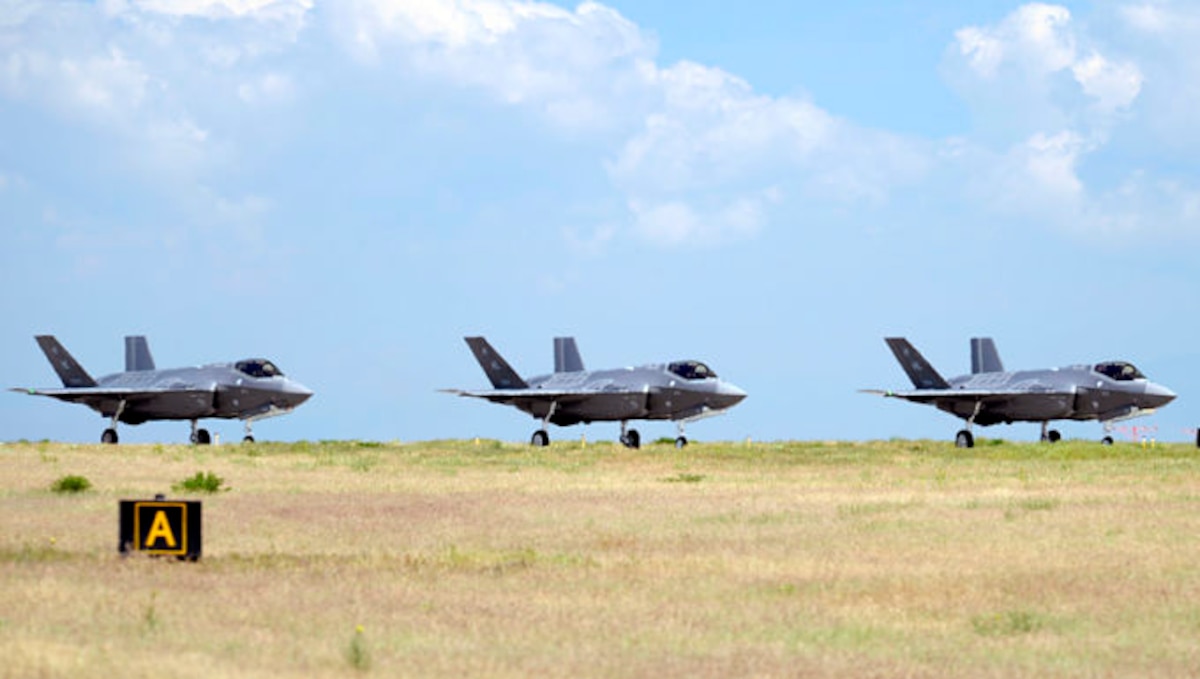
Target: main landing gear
110,434
541,438
630,438
964,438
200,437
1050,435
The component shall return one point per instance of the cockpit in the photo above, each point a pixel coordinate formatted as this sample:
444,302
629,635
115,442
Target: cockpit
1119,371
258,367
691,370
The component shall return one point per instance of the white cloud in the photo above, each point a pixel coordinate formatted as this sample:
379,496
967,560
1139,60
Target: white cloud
1111,85
270,88
266,10
1036,71
579,68
701,149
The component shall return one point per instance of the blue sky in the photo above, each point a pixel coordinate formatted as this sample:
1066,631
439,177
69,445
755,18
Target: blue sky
350,188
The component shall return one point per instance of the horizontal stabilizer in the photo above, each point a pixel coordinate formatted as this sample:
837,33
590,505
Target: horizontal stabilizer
137,354
566,356
984,357
919,370
497,369
72,374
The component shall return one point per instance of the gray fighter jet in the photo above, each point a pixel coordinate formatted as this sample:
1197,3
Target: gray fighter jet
248,390
682,391
1108,391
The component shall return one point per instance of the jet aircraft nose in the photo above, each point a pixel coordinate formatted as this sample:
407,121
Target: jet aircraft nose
728,395
295,393
1157,395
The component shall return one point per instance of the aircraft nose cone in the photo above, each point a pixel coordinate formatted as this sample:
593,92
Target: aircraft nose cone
296,393
729,394
1158,395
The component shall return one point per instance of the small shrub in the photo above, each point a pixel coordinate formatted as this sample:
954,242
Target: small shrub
684,478
356,652
71,484
1008,623
202,482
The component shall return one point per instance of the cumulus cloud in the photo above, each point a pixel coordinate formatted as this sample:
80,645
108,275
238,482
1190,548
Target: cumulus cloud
703,156
1047,98
1036,70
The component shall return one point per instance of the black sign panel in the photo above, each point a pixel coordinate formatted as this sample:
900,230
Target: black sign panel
160,527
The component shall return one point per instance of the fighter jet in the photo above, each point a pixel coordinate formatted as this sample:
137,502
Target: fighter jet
1108,391
682,391
248,390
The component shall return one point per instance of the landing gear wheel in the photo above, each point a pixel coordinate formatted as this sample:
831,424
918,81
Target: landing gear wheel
1106,441
632,439
964,439
109,436
248,439
540,438
201,438
1053,436
681,442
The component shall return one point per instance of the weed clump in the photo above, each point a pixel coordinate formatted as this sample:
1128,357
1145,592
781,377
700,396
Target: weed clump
683,477
72,483
201,482
356,652
1006,624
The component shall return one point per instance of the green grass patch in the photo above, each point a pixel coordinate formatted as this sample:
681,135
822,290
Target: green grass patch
1008,623
201,482
683,477
72,483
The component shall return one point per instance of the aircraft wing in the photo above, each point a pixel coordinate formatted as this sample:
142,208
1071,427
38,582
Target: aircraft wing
992,406
992,396
95,397
517,397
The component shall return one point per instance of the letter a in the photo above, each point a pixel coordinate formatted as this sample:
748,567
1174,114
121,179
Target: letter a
161,528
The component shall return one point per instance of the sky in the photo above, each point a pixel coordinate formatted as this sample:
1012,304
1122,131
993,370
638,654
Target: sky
349,188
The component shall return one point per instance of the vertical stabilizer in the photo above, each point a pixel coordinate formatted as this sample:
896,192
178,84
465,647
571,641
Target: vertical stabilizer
137,354
498,370
72,374
919,370
566,356
984,357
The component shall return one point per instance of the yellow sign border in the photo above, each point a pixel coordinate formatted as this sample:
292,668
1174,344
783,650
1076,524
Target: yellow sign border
137,528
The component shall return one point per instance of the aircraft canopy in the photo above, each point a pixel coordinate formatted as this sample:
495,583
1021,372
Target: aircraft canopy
1120,371
258,367
691,370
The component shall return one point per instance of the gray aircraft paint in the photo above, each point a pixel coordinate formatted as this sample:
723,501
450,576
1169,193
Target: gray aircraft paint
1107,391
248,390
680,391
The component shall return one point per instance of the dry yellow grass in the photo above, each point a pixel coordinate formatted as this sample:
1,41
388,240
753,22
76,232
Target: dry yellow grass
465,559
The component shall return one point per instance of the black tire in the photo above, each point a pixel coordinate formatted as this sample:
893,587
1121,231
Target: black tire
1053,436
540,438
681,442
1106,441
633,439
202,437
964,439
248,439
109,436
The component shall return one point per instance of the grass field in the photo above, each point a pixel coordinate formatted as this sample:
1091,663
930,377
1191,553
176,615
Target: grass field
462,558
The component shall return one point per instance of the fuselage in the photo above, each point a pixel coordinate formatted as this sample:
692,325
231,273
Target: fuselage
1105,391
680,390
240,390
